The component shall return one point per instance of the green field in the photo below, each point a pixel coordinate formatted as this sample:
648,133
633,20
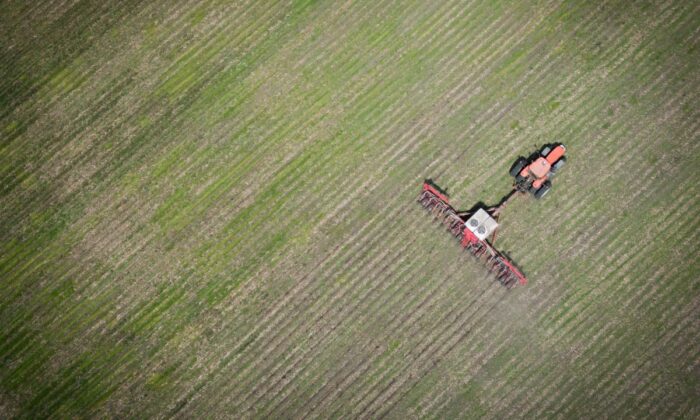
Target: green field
207,209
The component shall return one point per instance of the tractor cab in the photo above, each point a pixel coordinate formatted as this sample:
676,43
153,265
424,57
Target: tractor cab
537,169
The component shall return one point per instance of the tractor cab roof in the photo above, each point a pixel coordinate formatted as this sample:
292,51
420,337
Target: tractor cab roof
540,167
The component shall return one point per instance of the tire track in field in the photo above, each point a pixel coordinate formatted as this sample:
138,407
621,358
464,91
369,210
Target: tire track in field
385,305
478,358
433,401
483,291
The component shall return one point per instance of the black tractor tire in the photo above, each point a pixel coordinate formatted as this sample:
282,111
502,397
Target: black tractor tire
545,151
544,189
518,166
559,164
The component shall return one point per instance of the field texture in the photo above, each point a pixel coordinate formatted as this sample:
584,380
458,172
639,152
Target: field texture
208,208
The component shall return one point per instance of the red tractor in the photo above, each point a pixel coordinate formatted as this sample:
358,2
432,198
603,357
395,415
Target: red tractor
534,173
476,229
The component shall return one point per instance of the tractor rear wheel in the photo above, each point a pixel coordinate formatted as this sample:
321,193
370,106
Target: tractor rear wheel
517,166
544,189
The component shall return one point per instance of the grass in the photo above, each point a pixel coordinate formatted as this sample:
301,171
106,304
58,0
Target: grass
210,209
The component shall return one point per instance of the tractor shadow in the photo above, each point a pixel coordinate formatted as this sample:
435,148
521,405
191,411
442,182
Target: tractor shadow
461,213
432,183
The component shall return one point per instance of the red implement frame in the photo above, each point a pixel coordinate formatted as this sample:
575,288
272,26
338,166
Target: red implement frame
438,204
